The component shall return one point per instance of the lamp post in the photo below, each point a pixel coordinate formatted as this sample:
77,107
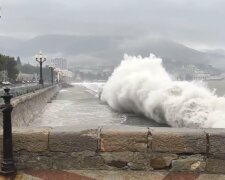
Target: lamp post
8,164
41,59
52,67
58,71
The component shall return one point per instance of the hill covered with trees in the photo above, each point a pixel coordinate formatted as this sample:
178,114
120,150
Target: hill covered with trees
9,65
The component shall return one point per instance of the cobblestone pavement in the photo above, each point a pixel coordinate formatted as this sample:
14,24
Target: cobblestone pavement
109,175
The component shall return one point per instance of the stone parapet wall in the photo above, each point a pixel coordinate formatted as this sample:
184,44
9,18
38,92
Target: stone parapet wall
126,148
29,105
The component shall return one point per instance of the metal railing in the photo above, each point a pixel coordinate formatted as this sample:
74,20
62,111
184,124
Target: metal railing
24,89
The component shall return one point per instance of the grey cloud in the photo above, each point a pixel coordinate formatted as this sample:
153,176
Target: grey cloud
187,21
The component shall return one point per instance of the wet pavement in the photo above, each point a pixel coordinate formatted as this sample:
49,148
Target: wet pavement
80,108
110,175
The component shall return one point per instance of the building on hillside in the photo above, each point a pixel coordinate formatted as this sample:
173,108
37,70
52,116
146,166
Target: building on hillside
26,77
60,63
63,75
201,75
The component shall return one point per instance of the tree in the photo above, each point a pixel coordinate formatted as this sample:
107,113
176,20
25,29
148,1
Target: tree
29,69
11,68
3,60
9,64
18,61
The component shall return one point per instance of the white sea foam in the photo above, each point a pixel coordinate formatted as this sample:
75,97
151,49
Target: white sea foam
94,88
142,85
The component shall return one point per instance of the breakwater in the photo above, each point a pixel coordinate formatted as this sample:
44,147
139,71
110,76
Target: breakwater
27,106
121,148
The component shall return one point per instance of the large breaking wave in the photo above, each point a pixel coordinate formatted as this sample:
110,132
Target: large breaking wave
142,85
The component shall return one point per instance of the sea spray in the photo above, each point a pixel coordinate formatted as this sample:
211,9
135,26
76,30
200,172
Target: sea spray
142,85
94,88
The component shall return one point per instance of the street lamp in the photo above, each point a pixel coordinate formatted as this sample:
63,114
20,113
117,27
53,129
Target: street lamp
52,67
40,59
58,71
8,164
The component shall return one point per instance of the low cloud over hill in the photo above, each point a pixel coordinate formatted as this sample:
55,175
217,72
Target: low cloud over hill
107,49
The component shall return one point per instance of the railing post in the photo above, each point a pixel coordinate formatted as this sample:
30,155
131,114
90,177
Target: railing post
52,74
8,164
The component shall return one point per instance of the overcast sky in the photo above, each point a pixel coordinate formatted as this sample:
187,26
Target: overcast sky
196,23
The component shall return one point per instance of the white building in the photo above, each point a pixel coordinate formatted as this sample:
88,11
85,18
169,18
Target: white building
26,77
60,63
201,76
63,75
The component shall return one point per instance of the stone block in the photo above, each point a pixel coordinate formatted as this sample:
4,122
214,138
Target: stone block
92,162
30,160
83,154
216,141
71,141
88,160
117,156
162,160
215,166
117,159
30,139
178,140
194,163
141,161
124,139
61,160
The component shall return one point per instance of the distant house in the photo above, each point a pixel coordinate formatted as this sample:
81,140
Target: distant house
25,77
201,75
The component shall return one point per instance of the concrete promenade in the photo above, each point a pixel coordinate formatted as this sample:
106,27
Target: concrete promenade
77,107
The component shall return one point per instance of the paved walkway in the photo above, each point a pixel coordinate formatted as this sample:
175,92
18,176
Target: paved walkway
110,175
77,107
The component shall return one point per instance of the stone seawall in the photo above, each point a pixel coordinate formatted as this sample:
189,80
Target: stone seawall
126,148
29,105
